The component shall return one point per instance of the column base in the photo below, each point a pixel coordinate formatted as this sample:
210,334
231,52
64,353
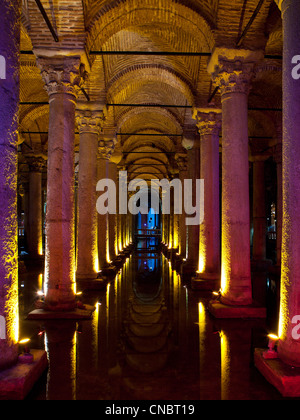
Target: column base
222,311
84,312
285,378
206,281
17,381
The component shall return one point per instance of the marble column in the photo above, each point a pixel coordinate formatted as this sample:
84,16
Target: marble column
209,126
232,71
289,344
35,211
182,166
63,77
193,163
277,156
10,15
105,149
89,120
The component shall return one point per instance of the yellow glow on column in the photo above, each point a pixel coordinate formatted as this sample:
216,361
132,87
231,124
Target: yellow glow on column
224,277
202,328
96,263
225,365
40,281
11,309
201,266
107,305
40,247
284,312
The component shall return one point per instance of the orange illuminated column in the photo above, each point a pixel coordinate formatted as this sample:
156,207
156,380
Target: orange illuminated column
191,142
232,71
105,150
277,156
63,77
35,222
9,108
112,218
209,126
89,120
289,343
182,166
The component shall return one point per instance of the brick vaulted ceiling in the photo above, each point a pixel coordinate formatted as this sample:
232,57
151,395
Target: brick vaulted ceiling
162,26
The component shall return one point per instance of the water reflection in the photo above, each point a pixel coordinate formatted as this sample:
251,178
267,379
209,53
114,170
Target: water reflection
150,338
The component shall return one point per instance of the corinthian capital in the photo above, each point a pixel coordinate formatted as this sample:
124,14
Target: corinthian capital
106,149
89,120
233,70
62,74
208,121
36,163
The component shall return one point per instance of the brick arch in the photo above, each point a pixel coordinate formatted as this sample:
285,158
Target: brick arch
166,114
151,72
123,14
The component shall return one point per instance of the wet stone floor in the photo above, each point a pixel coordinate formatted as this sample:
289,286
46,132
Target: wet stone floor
150,338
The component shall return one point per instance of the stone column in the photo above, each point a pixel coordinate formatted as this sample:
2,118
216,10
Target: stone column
182,165
35,212
105,149
209,126
63,76
192,145
232,71
89,120
277,156
10,14
289,346
112,218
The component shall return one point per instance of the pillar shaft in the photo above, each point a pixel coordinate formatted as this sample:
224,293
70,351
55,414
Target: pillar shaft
62,77
209,125
105,149
289,346
182,165
89,123
9,107
193,157
278,160
112,218
233,75
35,213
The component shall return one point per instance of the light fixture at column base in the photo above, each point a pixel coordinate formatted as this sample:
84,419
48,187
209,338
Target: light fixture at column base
222,311
285,378
17,381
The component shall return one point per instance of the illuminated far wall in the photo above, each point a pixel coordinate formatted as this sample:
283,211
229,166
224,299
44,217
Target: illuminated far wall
9,88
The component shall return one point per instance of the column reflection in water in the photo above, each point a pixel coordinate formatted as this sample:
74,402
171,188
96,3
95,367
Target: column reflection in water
61,349
236,344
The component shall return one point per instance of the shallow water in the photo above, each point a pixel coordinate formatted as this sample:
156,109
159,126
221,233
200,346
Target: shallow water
150,338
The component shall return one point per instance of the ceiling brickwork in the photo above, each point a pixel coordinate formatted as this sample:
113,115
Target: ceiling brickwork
180,81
